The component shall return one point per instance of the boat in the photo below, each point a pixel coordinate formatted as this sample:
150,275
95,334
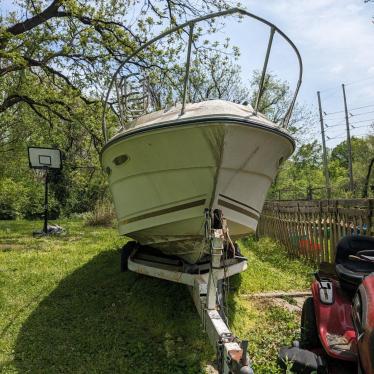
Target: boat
189,180
167,168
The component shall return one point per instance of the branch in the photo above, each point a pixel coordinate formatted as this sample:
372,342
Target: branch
30,23
31,62
14,99
9,102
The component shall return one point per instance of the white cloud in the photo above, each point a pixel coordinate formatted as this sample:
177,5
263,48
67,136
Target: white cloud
336,69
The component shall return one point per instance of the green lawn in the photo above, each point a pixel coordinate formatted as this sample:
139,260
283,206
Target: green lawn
66,308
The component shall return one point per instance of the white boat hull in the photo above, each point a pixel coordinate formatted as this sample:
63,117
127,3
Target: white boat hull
173,173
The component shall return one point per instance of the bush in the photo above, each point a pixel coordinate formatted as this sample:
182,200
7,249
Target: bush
25,199
11,198
33,207
102,215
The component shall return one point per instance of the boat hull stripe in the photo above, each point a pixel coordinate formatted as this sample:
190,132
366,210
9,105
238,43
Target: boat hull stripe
238,202
164,211
238,209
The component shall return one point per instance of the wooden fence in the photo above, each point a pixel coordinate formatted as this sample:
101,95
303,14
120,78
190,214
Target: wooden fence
313,228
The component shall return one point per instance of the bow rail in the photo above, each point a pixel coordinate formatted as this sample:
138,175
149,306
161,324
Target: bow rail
116,83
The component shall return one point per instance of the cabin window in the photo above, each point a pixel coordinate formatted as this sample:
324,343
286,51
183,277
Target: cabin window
119,160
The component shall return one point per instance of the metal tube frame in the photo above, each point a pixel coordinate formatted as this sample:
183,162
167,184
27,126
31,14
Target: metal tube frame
188,63
262,80
191,24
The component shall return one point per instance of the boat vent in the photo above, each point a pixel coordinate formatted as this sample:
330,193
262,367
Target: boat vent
133,97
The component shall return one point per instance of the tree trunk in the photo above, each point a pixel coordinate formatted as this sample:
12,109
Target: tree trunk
365,191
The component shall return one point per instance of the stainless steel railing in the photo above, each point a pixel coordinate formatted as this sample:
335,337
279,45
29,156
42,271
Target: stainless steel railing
190,25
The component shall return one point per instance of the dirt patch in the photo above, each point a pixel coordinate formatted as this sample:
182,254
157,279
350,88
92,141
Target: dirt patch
294,305
10,246
292,301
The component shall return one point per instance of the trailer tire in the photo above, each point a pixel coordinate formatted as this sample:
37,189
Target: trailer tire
309,338
126,251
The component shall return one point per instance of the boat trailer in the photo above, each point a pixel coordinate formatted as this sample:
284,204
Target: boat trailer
206,284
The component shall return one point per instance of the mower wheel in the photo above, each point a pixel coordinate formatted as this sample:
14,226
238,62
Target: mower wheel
126,251
309,335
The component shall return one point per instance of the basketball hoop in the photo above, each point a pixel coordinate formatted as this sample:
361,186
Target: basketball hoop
41,160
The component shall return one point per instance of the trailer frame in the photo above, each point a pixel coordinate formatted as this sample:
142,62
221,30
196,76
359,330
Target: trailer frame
203,281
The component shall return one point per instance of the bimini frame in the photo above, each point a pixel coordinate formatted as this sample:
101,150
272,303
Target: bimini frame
190,25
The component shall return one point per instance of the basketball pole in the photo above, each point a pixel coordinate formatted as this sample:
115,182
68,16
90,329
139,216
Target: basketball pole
45,228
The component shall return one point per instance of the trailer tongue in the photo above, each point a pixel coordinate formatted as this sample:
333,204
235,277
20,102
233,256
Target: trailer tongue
207,284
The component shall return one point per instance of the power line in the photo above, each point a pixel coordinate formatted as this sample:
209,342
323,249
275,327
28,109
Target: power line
352,123
351,109
352,127
335,137
351,115
359,81
336,119
344,136
364,120
361,114
359,127
361,107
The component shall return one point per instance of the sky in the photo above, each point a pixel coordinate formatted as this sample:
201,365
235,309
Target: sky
336,42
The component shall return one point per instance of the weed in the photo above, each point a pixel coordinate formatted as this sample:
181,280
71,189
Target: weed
102,215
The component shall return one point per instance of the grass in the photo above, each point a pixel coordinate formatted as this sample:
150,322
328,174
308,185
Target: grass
66,308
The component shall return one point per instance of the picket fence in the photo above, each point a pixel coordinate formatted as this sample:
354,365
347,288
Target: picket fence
312,228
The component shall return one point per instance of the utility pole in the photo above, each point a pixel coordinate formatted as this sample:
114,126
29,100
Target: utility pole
351,187
327,177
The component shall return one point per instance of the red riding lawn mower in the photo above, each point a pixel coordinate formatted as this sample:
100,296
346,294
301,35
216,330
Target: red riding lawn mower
337,321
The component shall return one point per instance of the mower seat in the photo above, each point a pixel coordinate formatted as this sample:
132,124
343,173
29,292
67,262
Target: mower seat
352,272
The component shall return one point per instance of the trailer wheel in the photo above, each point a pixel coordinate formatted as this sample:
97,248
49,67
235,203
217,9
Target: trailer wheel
309,335
126,251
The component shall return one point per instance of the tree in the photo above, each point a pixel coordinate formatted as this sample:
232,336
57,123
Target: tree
362,152
70,47
305,170
55,63
216,76
365,191
276,99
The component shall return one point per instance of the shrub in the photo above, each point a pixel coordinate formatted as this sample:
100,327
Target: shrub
102,215
24,199
10,199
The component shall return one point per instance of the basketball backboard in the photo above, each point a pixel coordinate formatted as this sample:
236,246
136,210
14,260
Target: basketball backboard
44,158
